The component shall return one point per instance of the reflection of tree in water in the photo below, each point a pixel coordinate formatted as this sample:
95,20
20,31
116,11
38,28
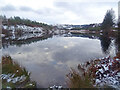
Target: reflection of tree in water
117,42
105,43
7,42
107,24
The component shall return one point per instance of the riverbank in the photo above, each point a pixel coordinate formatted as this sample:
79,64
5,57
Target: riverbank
14,76
100,73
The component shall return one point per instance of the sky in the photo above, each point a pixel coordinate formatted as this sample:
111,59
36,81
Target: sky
75,12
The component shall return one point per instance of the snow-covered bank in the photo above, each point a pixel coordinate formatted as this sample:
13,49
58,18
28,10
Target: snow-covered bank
22,27
100,73
24,32
108,72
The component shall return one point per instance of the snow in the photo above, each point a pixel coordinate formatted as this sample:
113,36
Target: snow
117,59
13,75
5,27
105,67
11,78
55,87
30,84
2,35
25,29
8,80
118,74
105,75
8,87
101,70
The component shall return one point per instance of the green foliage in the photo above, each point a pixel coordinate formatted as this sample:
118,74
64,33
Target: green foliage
77,28
8,66
94,28
108,21
97,28
19,21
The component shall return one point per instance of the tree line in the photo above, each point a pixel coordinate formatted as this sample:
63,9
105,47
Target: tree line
16,20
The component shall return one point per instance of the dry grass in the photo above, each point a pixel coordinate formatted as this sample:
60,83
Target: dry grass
11,67
80,79
8,66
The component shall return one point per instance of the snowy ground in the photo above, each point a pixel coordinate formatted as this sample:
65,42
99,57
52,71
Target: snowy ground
108,72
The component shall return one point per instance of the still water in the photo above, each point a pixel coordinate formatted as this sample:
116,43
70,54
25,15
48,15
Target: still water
50,60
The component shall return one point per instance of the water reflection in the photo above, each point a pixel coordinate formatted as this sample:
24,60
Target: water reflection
105,44
117,42
105,39
50,60
6,42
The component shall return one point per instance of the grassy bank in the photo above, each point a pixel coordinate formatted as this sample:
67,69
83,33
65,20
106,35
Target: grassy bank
14,76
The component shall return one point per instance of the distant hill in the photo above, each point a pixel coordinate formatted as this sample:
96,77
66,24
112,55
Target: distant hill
20,21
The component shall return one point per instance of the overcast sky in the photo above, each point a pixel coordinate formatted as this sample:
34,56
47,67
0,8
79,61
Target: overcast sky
59,11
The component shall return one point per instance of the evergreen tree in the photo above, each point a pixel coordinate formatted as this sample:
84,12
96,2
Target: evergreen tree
109,20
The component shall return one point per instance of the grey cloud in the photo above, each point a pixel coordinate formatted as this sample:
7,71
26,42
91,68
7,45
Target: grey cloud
84,10
13,8
82,7
24,8
75,7
44,11
8,8
106,4
48,11
61,4
60,12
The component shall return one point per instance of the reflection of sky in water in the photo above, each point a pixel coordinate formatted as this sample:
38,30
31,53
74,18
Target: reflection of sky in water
49,60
